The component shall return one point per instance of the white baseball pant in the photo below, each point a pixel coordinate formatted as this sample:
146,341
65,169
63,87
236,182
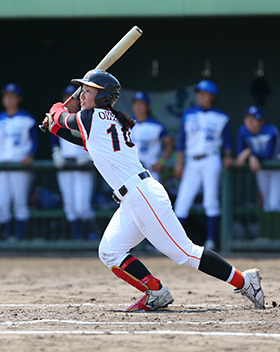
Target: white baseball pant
146,212
206,173
14,189
76,189
269,185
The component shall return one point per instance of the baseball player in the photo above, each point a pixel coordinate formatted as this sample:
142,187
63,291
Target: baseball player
204,130
76,186
148,135
145,210
257,141
18,143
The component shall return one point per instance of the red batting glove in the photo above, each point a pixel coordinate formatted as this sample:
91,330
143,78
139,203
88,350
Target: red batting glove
56,111
50,124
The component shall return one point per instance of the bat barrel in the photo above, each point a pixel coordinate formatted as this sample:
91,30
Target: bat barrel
113,55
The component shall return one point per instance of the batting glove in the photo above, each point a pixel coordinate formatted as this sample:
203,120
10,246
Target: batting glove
50,124
56,111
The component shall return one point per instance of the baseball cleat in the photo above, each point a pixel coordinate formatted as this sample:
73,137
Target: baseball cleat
252,288
152,300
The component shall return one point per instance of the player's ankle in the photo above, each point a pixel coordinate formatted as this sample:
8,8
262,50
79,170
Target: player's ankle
152,283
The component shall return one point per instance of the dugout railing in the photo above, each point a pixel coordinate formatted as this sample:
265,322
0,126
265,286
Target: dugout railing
47,226
244,225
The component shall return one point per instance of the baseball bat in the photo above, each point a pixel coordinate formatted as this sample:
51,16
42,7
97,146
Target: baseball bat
113,55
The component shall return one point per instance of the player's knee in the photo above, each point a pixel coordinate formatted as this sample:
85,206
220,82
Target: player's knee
212,209
108,257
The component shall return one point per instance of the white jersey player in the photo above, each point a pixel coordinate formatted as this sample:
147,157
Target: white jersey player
18,143
204,130
145,210
76,186
149,136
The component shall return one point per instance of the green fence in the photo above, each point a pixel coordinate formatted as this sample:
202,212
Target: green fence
47,226
244,225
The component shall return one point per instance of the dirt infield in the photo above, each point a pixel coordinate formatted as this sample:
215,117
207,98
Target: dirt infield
76,304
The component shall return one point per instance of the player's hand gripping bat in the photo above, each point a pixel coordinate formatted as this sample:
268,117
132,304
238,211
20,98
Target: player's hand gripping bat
113,55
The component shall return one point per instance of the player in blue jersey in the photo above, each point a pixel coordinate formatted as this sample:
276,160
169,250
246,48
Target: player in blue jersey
76,186
257,141
204,131
18,143
149,135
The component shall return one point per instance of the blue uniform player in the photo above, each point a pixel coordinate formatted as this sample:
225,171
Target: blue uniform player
76,186
257,141
204,130
18,143
149,136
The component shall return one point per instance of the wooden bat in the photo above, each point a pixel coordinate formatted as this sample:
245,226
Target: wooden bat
113,55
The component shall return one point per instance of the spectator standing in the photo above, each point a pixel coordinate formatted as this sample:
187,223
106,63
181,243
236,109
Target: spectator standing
76,186
18,144
204,131
258,140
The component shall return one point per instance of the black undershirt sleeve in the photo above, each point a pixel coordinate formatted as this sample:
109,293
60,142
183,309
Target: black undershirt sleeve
72,121
71,136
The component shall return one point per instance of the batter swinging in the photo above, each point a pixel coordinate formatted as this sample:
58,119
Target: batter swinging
145,210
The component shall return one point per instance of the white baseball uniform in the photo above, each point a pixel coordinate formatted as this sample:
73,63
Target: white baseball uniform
18,139
145,210
147,136
76,186
202,134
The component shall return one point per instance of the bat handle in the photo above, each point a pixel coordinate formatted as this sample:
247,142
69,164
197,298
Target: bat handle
42,128
72,97
66,103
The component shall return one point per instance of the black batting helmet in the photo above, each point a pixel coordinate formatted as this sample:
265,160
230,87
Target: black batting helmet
107,85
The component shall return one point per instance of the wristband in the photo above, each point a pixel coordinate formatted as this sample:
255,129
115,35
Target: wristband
55,129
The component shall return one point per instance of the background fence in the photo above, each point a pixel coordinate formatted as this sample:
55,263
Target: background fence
244,225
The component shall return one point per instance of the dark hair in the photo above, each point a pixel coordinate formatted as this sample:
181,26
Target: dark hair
123,118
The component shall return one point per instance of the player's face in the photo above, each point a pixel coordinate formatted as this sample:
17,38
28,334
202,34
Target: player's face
140,109
205,99
11,100
87,97
253,125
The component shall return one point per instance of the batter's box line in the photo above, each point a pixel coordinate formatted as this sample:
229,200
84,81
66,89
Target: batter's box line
122,323
7,305
125,332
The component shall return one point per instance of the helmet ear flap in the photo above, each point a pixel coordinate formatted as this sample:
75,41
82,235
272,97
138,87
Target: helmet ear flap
108,86
106,98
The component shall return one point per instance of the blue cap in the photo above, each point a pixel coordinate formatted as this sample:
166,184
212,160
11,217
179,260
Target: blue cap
255,111
142,97
207,86
13,88
69,90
